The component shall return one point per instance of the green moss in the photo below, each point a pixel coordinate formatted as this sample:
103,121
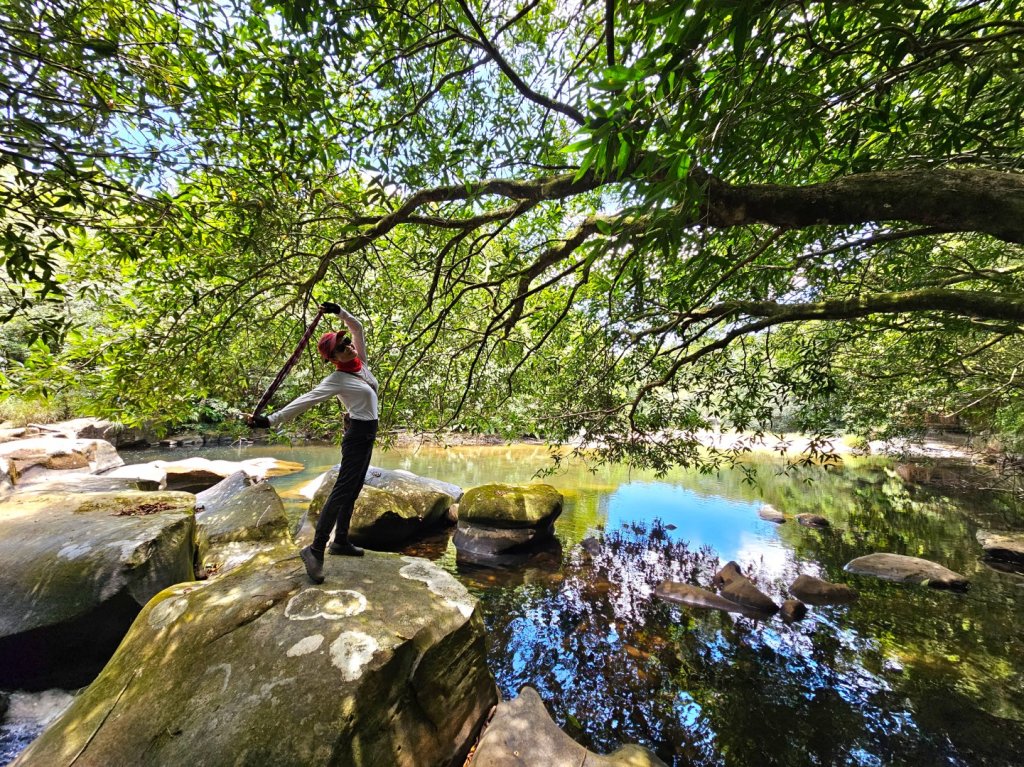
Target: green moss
501,505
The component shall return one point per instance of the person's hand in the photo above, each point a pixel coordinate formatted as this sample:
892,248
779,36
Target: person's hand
329,307
257,421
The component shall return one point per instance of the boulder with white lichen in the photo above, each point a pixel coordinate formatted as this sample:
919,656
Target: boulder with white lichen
383,664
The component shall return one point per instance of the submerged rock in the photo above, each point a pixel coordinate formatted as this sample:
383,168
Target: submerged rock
769,513
743,592
730,571
499,547
815,591
813,520
383,664
522,734
793,610
904,569
693,596
76,570
1003,546
507,506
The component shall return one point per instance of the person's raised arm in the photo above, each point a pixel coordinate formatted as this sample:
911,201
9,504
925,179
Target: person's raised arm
355,327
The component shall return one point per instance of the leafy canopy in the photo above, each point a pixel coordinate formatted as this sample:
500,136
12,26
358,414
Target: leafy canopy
617,221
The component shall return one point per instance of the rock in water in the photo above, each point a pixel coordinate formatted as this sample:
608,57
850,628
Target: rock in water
743,592
903,569
793,610
508,506
500,525
383,664
730,571
396,480
693,596
383,519
815,591
522,734
76,570
1005,547
813,520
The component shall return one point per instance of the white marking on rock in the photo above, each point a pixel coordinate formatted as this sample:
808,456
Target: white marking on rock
351,652
74,550
323,603
167,612
305,646
439,582
226,668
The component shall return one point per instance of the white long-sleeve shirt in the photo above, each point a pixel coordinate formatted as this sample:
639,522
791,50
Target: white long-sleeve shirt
357,391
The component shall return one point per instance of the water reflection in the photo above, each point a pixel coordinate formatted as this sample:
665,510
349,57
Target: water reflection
903,676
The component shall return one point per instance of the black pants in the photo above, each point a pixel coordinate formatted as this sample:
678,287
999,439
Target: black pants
356,449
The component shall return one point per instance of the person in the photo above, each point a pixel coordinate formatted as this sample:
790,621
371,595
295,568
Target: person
354,384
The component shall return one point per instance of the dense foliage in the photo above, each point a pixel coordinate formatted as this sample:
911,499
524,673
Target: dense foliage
618,221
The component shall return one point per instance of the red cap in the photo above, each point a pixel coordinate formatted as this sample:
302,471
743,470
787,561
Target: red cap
328,343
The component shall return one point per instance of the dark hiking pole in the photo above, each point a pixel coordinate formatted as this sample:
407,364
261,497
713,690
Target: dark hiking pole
288,365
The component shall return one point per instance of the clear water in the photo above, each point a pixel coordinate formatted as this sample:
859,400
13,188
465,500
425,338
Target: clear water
906,675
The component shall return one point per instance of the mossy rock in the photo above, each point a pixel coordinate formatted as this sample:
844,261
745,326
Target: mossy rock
254,513
510,506
385,519
77,569
384,664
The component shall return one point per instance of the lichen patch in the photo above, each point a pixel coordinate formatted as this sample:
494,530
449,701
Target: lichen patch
167,612
440,583
305,646
331,605
351,652
74,550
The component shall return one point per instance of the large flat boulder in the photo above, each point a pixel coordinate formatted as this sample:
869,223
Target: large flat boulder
397,480
77,482
149,476
383,519
508,506
522,734
382,665
904,569
76,570
34,458
198,474
1003,546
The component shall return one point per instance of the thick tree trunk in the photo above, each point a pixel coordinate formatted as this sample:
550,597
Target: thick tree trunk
953,200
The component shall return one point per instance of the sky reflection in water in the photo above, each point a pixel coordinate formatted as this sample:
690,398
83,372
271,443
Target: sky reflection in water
906,675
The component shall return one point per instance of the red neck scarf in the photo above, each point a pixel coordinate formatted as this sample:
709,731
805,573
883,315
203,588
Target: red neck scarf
352,366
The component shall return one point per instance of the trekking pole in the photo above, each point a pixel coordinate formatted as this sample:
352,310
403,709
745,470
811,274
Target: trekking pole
288,365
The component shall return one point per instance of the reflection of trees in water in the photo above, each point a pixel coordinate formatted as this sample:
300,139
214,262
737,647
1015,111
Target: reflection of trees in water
615,665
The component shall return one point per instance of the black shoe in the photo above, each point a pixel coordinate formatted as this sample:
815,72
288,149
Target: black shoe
314,565
345,549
